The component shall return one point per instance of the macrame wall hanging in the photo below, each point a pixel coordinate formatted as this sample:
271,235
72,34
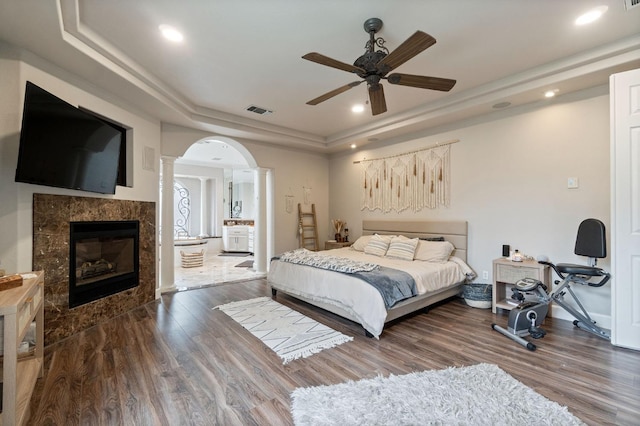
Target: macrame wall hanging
415,180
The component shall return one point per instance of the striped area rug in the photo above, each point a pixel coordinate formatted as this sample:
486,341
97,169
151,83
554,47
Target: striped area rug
288,333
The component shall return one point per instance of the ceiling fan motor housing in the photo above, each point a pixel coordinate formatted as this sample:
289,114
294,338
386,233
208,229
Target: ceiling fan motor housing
368,62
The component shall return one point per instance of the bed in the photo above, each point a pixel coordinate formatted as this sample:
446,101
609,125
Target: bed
351,297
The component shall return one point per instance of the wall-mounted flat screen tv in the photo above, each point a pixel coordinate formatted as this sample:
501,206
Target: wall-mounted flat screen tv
65,147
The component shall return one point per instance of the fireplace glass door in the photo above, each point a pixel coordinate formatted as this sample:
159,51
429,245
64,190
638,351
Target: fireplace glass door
103,259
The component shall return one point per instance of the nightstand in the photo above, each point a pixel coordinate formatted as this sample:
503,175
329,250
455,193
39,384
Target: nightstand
330,245
506,273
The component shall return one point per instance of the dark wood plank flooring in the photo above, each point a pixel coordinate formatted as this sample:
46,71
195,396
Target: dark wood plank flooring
176,361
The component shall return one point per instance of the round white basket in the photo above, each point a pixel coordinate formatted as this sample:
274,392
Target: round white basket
482,304
477,295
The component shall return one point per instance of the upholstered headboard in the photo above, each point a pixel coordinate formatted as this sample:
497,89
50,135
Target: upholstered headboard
454,231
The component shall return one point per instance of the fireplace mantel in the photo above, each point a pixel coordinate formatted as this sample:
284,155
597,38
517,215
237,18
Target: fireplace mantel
52,215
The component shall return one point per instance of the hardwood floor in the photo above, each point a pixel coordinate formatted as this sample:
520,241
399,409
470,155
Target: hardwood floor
176,361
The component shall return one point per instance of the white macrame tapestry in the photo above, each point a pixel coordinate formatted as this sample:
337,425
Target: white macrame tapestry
413,181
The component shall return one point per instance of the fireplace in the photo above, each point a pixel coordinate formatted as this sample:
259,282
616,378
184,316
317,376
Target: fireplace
103,259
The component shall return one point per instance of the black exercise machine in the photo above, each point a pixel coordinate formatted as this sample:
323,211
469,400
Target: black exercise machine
526,318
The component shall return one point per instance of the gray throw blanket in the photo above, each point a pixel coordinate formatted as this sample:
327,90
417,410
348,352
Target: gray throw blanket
392,284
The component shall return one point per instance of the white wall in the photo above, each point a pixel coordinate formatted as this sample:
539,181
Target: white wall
293,171
16,233
509,181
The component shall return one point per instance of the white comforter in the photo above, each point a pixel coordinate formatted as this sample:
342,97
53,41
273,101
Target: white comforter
355,296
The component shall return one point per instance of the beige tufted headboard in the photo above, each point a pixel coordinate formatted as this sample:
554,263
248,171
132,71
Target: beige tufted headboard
454,231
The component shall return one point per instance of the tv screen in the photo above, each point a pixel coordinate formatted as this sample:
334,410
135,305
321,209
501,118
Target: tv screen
63,146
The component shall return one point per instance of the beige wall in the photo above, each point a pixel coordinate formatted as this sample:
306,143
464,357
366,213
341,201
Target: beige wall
509,181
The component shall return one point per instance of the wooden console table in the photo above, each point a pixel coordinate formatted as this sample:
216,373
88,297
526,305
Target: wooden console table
19,307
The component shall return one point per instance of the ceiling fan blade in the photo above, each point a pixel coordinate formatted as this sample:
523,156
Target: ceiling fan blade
422,82
325,60
333,93
415,44
376,97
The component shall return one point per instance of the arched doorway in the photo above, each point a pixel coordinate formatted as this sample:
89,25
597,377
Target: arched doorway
209,165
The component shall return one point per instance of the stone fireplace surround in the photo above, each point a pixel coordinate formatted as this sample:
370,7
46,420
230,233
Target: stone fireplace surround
51,217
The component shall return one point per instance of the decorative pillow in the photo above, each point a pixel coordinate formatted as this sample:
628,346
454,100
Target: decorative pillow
378,245
432,238
402,247
434,251
361,242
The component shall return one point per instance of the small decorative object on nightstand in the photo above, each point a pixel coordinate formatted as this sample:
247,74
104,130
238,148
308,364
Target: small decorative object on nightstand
506,273
330,245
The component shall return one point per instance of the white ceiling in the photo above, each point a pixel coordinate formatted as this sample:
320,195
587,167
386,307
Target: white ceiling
241,53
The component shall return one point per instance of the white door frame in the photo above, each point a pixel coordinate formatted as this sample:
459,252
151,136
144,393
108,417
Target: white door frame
625,208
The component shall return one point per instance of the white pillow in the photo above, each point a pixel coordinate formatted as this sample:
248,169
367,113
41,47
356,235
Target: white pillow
378,245
361,242
402,248
434,251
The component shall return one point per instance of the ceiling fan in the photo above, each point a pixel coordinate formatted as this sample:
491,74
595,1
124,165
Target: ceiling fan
374,66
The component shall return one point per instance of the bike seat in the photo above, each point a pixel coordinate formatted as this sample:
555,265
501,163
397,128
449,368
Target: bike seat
570,268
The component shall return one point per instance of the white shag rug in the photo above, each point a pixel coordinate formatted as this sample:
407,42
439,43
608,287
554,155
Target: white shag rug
288,333
481,394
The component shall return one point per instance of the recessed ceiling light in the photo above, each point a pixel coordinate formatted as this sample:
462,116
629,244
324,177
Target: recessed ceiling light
550,93
357,108
353,146
591,16
170,33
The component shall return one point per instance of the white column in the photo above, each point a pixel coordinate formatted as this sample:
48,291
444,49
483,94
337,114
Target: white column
167,279
204,202
260,224
270,219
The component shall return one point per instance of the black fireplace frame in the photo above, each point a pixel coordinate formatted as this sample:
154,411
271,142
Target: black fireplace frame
80,295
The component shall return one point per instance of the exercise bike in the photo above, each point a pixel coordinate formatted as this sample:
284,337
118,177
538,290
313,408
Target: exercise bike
526,318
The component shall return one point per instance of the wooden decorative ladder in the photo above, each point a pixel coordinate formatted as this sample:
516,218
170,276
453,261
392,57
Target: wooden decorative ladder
308,228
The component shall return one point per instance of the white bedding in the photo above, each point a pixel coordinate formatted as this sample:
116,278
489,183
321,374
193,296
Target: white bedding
354,295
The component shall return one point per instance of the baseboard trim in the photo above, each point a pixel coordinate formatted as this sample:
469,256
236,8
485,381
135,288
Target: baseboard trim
603,321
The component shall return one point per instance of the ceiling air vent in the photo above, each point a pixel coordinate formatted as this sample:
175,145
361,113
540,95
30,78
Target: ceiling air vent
259,110
630,4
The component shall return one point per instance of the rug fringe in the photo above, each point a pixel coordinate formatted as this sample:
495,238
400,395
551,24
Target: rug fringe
338,340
